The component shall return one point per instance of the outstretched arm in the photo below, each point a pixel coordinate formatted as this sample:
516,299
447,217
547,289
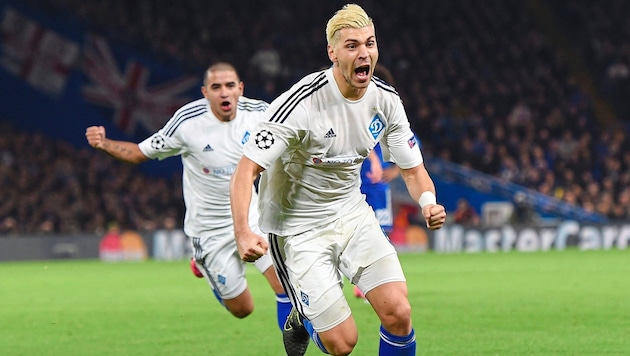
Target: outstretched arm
250,246
421,188
122,150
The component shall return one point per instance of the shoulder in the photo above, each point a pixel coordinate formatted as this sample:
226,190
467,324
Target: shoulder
309,84
194,108
252,105
185,114
384,87
299,94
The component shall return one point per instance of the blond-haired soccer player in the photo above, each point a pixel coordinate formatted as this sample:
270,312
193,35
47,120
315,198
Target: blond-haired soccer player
311,147
209,134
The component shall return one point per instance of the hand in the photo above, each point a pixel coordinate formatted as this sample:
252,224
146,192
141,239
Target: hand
434,215
95,136
376,172
251,246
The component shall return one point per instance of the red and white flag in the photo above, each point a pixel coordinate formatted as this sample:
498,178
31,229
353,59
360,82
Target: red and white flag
127,93
38,55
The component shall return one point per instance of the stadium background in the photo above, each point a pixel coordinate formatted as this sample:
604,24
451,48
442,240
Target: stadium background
521,107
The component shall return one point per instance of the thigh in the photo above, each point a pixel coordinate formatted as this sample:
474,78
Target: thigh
307,266
367,245
222,266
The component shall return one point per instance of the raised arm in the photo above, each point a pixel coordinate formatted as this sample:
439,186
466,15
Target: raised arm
122,150
250,246
421,188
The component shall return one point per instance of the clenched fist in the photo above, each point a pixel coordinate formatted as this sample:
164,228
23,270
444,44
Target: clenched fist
95,136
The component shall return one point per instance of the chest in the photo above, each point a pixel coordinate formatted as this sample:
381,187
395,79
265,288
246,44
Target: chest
217,144
345,131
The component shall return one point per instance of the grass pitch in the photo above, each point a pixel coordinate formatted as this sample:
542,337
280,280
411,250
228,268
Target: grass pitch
545,303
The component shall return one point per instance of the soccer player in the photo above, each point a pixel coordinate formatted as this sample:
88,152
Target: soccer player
311,147
209,134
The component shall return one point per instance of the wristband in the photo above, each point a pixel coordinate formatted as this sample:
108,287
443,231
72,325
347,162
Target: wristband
427,198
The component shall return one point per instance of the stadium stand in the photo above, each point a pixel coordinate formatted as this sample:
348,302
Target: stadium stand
485,87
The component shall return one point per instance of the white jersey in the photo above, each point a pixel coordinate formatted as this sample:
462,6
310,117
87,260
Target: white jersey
312,145
209,150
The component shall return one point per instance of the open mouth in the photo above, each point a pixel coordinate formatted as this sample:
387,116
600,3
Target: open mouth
226,105
362,72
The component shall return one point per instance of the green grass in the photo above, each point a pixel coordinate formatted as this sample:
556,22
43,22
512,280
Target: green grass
548,303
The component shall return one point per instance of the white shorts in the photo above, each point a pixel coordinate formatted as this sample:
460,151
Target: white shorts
311,265
218,259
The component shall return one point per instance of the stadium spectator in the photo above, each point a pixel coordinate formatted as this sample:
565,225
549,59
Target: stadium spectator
465,214
208,134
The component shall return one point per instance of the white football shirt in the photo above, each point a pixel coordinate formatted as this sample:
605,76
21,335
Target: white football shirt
209,150
312,144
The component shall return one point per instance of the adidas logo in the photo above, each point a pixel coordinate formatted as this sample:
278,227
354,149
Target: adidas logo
330,134
208,148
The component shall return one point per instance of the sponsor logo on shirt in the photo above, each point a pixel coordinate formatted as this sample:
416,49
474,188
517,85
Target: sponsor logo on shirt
208,148
337,161
220,171
330,134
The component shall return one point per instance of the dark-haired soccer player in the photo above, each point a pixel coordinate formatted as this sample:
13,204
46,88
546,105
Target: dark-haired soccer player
209,135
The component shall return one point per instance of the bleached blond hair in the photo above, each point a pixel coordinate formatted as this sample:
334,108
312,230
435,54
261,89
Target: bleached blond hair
349,16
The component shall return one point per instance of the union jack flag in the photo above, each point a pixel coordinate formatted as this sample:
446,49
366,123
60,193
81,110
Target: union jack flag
127,93
38,55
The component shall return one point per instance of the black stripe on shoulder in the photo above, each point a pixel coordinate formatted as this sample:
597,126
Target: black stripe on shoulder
298,95
183,116
380,83
260,106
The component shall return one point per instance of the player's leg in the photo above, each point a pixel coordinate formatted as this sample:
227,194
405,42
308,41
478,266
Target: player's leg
283,304
309,266
391,304
221,266
372,264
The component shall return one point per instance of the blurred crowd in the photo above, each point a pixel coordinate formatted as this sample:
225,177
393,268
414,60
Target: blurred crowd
483,86
58,188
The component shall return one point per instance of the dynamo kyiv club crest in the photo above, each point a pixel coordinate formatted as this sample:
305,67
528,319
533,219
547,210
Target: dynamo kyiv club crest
376,126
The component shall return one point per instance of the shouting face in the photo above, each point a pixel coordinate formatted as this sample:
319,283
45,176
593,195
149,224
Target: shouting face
354,58
222,88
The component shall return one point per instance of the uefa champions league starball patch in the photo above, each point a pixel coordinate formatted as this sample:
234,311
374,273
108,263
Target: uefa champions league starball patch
264,139
157,142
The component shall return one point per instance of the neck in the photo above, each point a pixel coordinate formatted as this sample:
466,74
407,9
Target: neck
348,90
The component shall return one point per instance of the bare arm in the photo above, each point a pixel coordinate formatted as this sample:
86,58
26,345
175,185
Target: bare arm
250,246
122,150
376,169
390,173
418,182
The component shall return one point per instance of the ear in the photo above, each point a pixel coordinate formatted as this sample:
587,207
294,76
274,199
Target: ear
203,90
241,86
331,54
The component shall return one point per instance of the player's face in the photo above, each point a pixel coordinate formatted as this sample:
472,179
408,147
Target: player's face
354,58
222,90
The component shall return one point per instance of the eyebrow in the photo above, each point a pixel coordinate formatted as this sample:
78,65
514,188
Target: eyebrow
373,37
227,83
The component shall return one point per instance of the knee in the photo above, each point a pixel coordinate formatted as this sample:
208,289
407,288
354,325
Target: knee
340,346
341,339
241,311
397,318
